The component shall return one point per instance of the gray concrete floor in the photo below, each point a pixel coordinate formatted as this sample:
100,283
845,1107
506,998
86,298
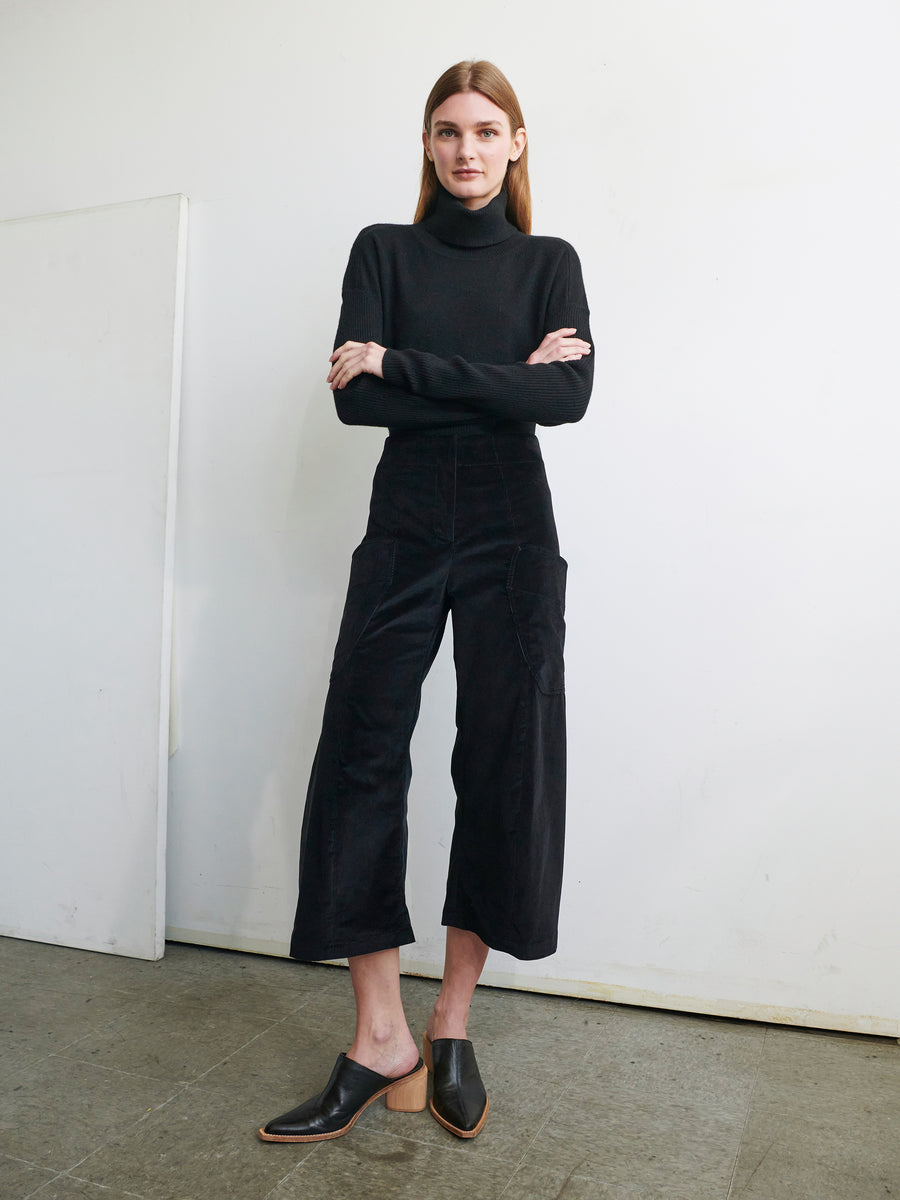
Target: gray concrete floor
122,1079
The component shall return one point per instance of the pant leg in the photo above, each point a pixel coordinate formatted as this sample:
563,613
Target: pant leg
509,762
353,842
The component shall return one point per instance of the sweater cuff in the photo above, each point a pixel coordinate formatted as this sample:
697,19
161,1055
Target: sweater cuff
389,370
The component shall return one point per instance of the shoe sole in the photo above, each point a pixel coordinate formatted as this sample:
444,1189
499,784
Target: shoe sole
462,1133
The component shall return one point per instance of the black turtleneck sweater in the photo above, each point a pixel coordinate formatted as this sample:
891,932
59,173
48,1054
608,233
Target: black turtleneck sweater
460,300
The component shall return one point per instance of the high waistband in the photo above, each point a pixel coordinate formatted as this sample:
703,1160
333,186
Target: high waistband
522,428
416,448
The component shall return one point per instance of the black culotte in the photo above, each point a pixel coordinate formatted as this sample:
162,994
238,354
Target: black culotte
459,523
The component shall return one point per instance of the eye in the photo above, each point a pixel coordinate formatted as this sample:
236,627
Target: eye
489,133
446,133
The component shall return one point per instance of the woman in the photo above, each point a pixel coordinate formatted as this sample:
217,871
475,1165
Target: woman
458,333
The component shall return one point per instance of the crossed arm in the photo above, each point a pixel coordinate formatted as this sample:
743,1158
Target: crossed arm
358,358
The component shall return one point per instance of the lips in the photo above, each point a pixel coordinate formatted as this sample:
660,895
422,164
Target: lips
466,174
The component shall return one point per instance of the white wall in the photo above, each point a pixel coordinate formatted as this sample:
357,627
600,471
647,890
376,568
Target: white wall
728,172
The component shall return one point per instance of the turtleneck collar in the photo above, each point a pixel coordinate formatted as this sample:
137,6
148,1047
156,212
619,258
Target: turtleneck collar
453,223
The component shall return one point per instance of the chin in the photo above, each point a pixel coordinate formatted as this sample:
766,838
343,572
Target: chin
470,190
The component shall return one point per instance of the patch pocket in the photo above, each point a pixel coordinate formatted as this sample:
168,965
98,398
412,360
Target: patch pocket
536,587
371,573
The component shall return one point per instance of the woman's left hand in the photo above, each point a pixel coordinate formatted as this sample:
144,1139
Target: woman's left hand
352,359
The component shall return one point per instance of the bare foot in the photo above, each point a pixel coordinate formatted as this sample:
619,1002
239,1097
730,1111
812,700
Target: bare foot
391,1057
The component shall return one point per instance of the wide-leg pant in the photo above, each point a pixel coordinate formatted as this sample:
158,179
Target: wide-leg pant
459,524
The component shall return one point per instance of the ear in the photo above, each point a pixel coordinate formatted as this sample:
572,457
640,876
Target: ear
426,142
518,144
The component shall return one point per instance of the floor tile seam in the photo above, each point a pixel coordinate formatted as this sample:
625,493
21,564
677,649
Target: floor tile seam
114,1134
118,1132
232,1053
285,1018
27,1162
44,1183
534,1139
60,1051
64,1053
101,1027
573,1174
181,1084
28,1065
314,1026
746,1123
293,1171
91,1183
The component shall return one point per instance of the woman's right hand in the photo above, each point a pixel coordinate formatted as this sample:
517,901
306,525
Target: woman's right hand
560,346
352,359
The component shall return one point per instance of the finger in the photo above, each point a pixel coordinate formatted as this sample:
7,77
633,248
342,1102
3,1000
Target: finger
340,363
353,364
344,377
336,372
348,358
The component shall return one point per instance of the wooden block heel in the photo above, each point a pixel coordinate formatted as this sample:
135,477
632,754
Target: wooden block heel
427,1056
408,1094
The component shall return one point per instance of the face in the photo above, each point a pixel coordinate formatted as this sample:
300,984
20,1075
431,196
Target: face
471,145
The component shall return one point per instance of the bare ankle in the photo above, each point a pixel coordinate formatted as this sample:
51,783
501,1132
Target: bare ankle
387,1049
447,1021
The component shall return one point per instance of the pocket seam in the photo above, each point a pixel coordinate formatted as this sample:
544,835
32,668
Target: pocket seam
391,545
519,618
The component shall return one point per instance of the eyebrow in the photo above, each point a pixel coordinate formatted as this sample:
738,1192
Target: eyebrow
453,125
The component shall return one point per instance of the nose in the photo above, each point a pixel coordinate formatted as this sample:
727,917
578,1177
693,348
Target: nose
466,146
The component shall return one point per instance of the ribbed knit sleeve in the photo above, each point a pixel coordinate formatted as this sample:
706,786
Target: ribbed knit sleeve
547,393
367,400
423,389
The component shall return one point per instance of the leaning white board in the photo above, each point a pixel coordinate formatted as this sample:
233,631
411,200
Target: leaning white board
91,318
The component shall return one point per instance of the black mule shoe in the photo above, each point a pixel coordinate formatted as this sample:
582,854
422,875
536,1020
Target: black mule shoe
459,1101
351,1088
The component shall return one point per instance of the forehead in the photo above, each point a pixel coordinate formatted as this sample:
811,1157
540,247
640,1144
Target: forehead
468,108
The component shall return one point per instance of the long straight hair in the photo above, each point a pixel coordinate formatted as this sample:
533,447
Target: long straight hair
483,77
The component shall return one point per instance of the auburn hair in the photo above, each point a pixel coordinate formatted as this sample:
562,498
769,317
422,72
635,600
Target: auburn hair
483,77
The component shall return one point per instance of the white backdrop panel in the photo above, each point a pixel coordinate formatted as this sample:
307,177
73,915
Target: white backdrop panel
91,312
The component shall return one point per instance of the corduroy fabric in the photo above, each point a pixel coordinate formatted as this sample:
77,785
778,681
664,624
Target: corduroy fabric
459,525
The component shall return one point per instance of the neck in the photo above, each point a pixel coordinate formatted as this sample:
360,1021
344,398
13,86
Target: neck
453,223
